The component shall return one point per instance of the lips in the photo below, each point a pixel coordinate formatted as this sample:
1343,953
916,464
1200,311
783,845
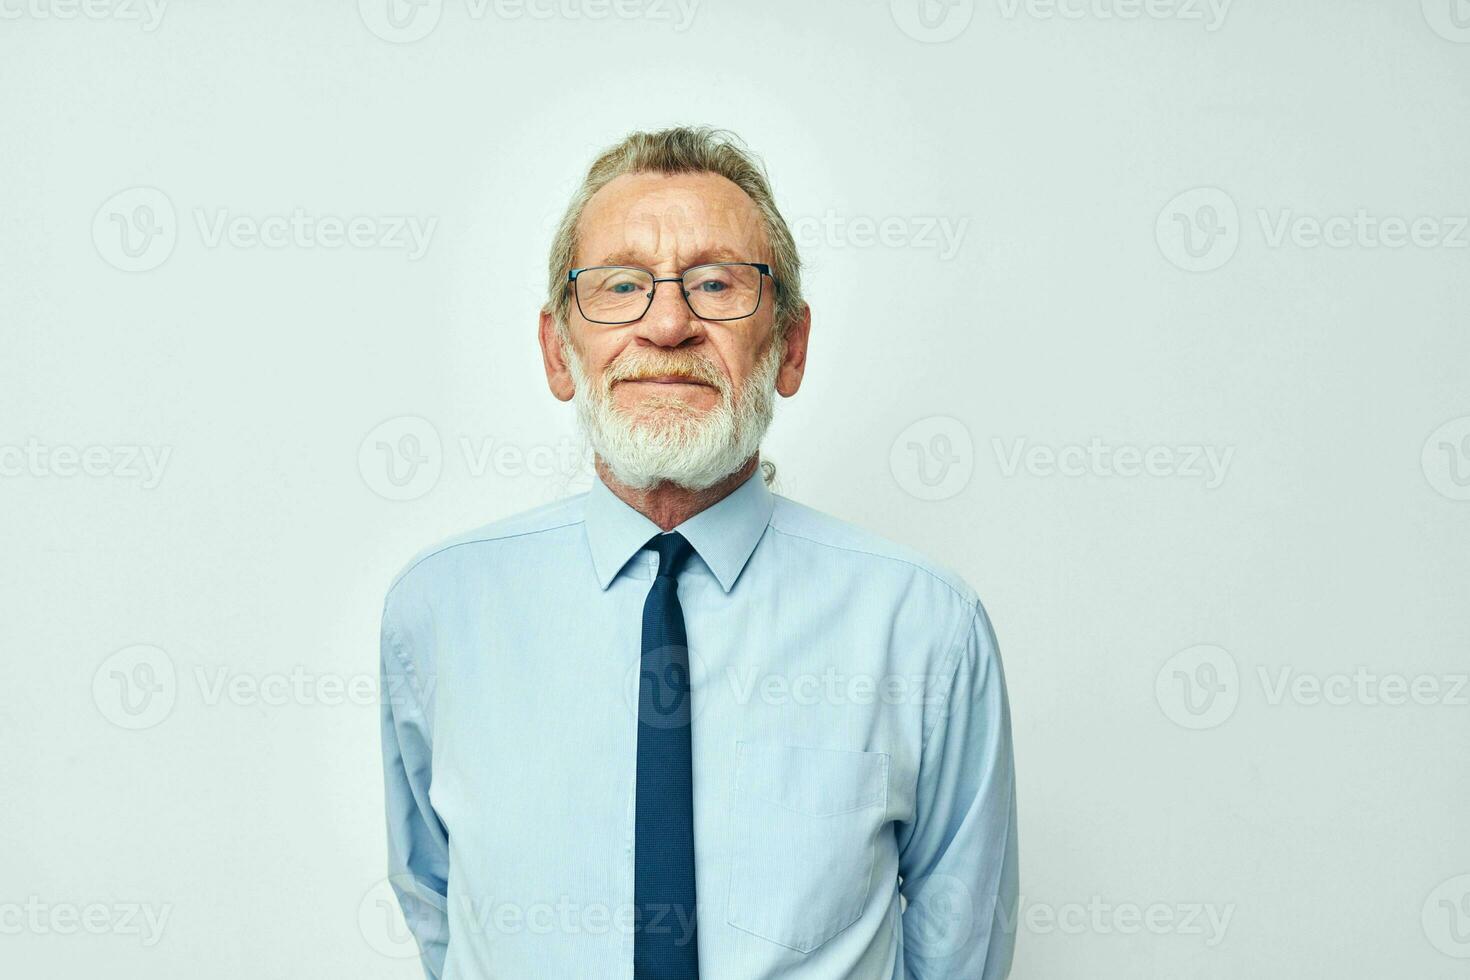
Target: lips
670,379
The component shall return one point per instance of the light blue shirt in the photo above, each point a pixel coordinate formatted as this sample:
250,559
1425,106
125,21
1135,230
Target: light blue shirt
854,793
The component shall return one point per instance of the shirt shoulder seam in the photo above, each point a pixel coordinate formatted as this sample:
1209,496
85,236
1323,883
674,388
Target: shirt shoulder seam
479,540
967,601
951,669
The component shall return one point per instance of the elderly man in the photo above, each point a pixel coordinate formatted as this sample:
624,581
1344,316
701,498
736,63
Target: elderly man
680,726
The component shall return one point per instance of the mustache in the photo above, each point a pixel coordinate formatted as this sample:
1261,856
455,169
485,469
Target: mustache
658,365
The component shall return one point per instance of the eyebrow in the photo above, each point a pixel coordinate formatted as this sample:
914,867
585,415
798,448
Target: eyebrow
719,254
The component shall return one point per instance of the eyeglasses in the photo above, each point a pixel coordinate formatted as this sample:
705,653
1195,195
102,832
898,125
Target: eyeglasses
715,291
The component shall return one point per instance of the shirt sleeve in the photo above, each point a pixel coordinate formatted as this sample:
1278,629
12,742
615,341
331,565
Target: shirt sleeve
418,844
957,858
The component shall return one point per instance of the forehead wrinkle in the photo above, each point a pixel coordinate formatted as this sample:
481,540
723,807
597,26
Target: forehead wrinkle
686,228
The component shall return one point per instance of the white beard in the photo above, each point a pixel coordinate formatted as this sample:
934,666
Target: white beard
665,439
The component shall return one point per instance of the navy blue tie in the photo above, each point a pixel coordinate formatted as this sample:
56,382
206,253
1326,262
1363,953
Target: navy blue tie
665,941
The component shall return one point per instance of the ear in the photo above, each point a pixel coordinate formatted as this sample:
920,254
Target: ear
558,376
793,362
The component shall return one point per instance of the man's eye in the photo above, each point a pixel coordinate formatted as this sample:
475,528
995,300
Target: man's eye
711,286
622,288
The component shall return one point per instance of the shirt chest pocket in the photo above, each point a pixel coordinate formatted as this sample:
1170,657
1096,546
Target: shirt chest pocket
804,825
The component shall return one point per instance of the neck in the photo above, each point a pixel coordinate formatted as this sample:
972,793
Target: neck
669,505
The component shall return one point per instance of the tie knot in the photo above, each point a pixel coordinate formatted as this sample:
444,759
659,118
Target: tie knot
673,551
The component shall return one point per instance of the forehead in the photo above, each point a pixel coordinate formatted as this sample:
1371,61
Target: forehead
680,219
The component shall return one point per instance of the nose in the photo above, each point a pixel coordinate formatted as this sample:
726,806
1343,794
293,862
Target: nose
669,321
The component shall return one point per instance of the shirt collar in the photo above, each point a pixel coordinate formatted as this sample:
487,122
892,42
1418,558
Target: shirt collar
724,535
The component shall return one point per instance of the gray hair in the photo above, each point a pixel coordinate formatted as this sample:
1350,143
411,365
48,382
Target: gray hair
680,150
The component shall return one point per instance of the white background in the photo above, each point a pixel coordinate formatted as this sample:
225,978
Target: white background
1147,620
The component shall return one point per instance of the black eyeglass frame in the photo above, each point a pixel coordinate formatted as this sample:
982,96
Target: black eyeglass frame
762,267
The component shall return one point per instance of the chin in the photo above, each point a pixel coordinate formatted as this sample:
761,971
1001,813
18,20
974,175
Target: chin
663,412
